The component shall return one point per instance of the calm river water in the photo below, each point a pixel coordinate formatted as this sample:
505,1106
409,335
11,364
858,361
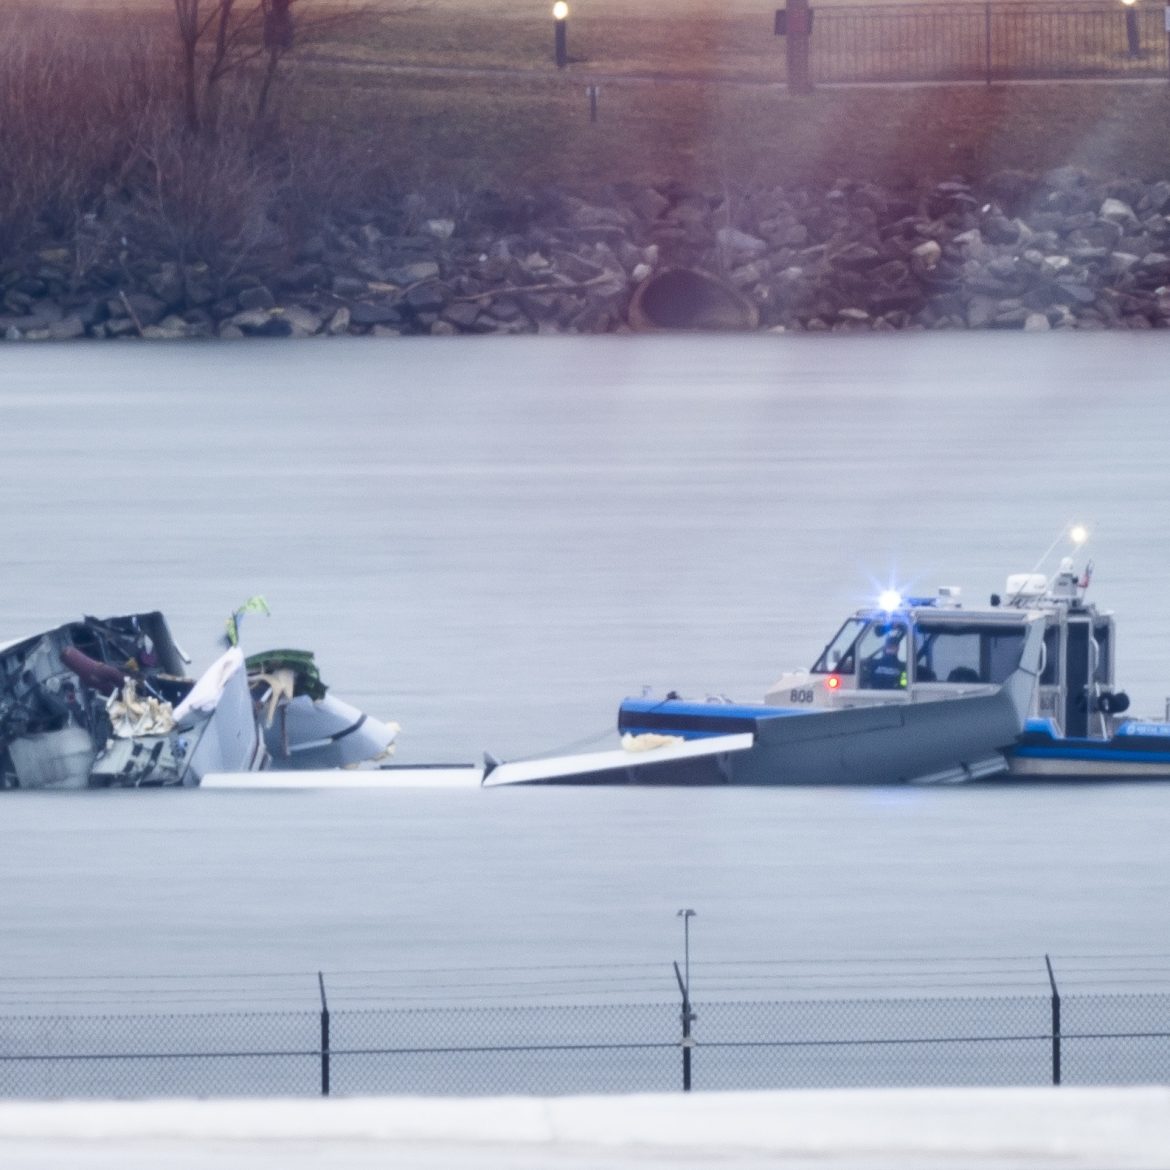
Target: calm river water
491,542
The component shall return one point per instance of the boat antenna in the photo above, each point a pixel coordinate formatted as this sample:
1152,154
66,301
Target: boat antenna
1077,533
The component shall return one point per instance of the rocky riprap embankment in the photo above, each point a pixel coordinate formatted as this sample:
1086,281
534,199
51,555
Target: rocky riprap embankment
1061,250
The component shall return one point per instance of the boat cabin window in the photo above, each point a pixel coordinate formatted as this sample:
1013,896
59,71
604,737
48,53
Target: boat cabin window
1103,672
839,656
1050,675
967,653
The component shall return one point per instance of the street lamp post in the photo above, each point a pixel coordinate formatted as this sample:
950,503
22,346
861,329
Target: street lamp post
560,33
1132,37
686,916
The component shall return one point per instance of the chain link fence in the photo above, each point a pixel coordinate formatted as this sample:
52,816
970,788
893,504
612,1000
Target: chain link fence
213,1054
598,1048
986,42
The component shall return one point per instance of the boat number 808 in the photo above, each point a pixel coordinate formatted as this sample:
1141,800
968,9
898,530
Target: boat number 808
800,695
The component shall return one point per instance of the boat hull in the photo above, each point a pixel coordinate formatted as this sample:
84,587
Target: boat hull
1135,751
944,740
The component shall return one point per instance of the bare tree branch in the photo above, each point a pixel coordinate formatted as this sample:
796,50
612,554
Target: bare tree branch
221,37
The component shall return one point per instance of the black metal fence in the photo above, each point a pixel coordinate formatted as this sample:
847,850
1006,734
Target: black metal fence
987,42
548,1050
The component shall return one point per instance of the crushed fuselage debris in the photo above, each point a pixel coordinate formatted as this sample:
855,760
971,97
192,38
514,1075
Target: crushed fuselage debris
108,703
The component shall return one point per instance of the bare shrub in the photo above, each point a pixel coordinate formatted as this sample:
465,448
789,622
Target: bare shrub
220,39
96,152
328,175
92,129
205,198
71,107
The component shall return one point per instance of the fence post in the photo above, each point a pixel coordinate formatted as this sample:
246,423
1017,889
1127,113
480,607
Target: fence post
987,40
324,1037
1166,22
687,1017
798,29
1133,39
1055,1023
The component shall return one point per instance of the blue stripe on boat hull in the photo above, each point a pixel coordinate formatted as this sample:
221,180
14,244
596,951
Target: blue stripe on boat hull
1041,752
696,720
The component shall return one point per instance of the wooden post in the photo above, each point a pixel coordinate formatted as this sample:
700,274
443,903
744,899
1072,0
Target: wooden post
1167,23
798,28
987,40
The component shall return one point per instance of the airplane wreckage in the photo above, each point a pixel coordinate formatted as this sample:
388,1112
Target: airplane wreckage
107,703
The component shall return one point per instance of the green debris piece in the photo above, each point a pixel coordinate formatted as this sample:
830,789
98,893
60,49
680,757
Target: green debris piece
255,604
300,662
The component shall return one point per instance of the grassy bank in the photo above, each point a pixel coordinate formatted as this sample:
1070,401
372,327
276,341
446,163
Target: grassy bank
525,120
690,91
463,129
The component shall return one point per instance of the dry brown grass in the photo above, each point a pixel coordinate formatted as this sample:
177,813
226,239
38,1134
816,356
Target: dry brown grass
93,148
473,130
731,40
69,102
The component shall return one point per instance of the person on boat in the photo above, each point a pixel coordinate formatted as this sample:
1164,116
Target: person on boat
887,671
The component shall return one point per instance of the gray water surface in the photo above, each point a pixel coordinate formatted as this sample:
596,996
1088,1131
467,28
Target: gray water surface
493,541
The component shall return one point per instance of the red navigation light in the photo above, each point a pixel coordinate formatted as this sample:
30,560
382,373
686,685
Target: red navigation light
833,682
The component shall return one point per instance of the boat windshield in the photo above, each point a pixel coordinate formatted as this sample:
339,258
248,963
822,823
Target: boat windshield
839,655
882,653
967,653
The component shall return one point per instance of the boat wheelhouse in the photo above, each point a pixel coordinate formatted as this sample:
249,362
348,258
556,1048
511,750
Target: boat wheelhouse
908,650
1077,726
916,690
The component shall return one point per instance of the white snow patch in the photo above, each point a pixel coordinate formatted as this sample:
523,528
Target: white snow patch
862,1129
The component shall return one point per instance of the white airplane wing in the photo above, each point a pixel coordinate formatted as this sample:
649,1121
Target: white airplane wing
692,761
